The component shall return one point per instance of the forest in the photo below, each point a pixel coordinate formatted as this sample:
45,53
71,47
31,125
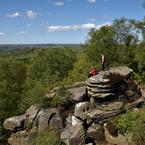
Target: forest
27,75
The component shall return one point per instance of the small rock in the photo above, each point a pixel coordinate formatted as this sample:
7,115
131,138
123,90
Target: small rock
50,96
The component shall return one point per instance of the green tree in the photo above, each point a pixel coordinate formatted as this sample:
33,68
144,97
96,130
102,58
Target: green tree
12,77
51,66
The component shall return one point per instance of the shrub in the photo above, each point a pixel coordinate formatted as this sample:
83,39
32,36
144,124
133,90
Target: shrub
50,137
62,97
126,122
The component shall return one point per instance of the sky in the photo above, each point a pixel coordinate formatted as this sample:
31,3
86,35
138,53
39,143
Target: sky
60,21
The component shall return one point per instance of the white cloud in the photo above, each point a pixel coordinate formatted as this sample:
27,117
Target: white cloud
30,14
22,33
2,33
87,26
91,1
28,25
92,19
60,3
59,28
101,25
14,15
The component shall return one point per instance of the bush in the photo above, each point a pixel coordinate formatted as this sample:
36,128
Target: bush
62,96
133,123
126,122
50,137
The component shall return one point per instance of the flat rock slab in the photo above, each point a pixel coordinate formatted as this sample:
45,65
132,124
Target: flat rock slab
112,106
98,90
95,113
101,86
100,77
102,95
122,70
135,103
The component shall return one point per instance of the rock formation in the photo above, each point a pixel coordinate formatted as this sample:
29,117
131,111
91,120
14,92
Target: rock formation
92,103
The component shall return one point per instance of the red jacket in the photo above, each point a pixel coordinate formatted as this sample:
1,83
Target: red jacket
93,72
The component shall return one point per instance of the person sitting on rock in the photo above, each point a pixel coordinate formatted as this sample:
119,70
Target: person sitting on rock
92,72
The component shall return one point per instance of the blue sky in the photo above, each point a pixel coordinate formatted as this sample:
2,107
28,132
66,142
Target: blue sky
60,21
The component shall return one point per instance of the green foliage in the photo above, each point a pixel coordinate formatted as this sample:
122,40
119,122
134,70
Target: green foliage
140,58
126,122
11,87
12,77
44,73
52,67
50,137
62,97
80,70
139,130
33,93
134,123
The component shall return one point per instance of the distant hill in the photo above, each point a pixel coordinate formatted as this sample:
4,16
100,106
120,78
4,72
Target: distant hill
15,47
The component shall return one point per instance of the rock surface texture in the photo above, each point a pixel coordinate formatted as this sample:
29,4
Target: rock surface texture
101,97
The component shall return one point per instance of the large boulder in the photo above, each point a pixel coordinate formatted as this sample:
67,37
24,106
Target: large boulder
13,122
23,138
81,109
34,111
106,82
78,93
96,132
73,121
44,118
73,135
56,122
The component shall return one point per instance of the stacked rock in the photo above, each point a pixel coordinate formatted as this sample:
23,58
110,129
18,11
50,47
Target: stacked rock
98,86
105,83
